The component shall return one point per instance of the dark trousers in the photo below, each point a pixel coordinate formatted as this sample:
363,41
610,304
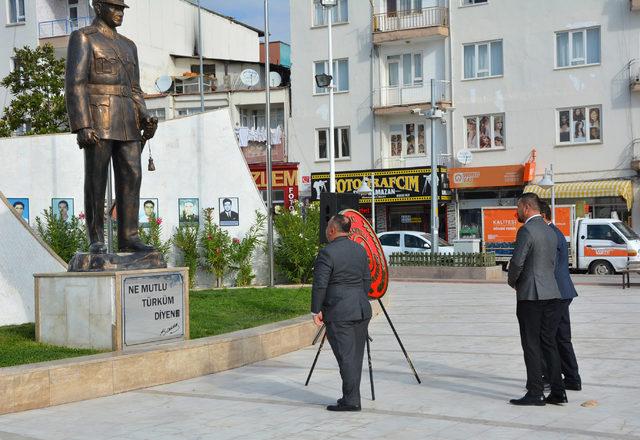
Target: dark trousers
569,364
538,327
347,339
128,177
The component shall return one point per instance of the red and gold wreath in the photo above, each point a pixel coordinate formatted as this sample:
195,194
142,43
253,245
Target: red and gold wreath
362,233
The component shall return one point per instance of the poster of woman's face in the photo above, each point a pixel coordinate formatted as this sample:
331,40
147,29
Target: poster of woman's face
579,134
485,142
485,129
498,126
21,206
229,211
421,149
565,128
148,208
396,145
62,208
594,117
578,114
472,133
188,211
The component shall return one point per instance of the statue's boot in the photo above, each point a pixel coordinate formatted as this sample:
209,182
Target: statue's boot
98,248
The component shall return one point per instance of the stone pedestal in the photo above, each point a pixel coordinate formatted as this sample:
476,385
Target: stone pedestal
86,262
115,310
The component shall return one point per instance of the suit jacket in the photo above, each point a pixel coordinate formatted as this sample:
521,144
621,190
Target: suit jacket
532,266
226,217
341,282
563,278
102,83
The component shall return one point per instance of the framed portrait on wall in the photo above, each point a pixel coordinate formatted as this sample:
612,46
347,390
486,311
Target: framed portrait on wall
21,206
189,211
229,209
62,208
148,208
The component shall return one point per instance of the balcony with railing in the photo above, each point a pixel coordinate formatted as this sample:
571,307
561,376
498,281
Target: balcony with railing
410,24
62,27
400,99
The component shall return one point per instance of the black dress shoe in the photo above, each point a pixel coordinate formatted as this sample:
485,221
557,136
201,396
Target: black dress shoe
135,246
573,386
98,248
556,398
529,400
343,407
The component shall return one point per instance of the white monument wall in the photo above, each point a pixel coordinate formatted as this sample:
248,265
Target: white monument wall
21,255
195,156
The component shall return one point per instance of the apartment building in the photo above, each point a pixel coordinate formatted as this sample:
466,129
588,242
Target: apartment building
557,77
388,56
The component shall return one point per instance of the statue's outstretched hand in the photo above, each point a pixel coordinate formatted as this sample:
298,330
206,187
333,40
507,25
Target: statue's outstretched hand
87,137
149,127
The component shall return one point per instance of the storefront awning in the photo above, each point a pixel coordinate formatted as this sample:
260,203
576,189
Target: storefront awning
576,190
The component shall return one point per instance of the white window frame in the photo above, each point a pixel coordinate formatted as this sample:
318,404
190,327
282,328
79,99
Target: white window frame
318,91
587,125
478,118
570,33
20,18
475,3
405,144
416,81
477,59
337,140
338,7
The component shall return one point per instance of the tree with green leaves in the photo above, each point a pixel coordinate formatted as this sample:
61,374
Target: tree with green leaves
37,86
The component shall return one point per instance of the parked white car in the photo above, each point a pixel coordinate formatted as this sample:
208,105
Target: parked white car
410,241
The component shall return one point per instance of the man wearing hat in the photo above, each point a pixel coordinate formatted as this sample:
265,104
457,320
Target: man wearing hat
107,112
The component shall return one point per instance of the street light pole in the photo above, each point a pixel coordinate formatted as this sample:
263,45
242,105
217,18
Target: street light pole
267,80
553,197
332,145
434,174
201,79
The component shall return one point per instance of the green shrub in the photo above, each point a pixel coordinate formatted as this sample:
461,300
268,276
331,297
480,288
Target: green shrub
216,246
186,239
152,234
242,251
298,241
64,237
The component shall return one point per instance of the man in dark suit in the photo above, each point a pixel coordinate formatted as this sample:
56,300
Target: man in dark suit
568,362
341,283
531,273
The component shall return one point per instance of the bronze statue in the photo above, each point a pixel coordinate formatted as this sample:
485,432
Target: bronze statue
107,111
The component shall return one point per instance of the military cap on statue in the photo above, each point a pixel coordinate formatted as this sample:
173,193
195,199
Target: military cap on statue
113,2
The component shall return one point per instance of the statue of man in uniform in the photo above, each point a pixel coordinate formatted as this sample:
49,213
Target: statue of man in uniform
107,112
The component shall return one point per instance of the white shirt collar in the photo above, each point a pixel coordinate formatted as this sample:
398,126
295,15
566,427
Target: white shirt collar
533,216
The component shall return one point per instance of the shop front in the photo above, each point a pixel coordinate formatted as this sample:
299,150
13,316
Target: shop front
402,196
483,187
593,199
284,179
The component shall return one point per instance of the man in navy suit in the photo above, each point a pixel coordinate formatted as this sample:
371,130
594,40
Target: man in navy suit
568,360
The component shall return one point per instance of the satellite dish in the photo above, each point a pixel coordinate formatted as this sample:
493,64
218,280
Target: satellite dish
275,79
249,77
164,83
464,156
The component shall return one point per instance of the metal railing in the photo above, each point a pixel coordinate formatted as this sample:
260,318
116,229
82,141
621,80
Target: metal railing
62,27
410,19
447,260
401,95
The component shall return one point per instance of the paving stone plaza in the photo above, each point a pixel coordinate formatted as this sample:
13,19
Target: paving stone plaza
463,340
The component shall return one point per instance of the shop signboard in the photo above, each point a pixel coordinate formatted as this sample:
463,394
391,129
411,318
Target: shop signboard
489,177
394,185
501,225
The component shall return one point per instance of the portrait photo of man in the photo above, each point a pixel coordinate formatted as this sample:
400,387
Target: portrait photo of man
62,208
21,206
229,211
148,209
188,211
